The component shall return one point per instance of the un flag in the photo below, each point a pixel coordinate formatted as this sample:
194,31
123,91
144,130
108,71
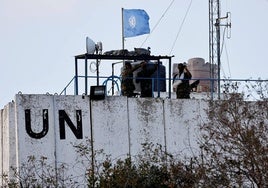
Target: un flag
135,22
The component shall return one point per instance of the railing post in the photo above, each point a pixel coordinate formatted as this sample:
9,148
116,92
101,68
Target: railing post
86,75
76,77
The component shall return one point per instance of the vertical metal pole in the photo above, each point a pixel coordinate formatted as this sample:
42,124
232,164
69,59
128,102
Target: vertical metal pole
92,145
86,75
97,61
218,57
123,38
157,81
112,78
169,78
76,77
123,42
211,47
214,43
218,38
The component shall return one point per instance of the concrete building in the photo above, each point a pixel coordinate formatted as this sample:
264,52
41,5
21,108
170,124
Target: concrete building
48,126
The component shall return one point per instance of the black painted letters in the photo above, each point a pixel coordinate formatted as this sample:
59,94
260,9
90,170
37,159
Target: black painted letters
63,117
29,128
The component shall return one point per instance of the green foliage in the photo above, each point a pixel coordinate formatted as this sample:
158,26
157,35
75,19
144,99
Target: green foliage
38,173
153,167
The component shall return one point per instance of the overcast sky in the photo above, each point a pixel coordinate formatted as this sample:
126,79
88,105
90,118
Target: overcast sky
39,38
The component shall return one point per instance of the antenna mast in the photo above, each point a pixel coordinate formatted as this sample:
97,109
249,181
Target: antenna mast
214,43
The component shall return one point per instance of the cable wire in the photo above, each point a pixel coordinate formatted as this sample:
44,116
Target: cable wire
188,9
227,57
224,75
158,22
224,44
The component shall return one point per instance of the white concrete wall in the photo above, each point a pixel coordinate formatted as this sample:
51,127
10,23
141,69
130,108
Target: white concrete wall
1,146
28,146
182,118
5,141
146,122
8,141
110,126
57,151
119,126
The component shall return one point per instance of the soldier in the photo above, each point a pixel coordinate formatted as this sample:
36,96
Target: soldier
127,85
181,82
144,78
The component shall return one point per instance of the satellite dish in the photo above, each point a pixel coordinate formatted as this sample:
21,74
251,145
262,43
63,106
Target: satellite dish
90,45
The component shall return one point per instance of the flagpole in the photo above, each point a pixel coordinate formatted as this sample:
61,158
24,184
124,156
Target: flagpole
123,39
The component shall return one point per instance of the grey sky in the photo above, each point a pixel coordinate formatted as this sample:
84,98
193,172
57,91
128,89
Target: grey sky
39,39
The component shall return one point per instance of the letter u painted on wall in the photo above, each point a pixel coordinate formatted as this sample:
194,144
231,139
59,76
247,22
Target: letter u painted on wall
63,118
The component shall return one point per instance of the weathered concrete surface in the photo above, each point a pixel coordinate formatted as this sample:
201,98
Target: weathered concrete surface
110,126
117,125
182,120
9,142
146,122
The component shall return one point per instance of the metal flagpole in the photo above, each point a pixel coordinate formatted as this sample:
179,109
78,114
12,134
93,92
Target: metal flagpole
123,39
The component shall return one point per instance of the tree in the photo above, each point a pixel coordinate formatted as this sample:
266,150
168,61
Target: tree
235,141
153,167
38,173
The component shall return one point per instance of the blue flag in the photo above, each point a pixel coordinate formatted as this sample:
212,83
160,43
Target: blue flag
135,22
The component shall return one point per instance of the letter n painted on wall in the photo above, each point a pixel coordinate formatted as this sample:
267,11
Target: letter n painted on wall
77,130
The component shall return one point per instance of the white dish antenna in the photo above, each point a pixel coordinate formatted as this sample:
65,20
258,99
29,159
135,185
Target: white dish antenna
90,45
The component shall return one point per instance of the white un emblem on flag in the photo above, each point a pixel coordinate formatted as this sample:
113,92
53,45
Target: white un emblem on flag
132,21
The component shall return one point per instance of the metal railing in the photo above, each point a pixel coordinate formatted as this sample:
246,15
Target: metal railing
252,89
